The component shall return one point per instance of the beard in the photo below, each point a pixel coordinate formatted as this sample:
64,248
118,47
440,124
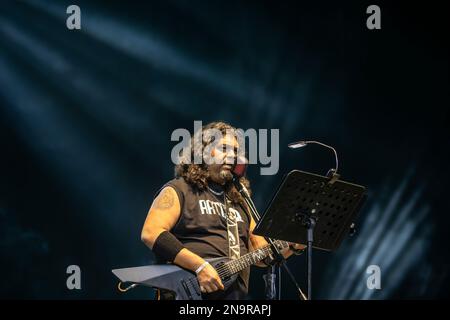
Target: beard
226,176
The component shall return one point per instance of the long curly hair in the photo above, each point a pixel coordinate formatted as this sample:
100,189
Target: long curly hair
197,175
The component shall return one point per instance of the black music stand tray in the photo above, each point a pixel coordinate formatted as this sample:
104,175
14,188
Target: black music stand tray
313,210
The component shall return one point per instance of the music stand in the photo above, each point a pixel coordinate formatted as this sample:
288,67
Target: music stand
323,207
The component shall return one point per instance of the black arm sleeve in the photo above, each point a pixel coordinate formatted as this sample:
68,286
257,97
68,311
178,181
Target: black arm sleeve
167,246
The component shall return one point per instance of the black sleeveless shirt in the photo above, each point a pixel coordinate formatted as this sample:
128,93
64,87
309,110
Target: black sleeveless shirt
202,226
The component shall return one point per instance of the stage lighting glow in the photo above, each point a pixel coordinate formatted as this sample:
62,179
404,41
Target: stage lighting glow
394,236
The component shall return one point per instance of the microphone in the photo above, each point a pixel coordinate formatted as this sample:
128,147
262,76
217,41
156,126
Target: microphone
240,167
238,172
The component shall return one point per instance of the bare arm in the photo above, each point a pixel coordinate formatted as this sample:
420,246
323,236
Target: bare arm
162,216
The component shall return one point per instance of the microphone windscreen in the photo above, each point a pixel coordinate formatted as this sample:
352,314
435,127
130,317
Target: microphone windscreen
240,167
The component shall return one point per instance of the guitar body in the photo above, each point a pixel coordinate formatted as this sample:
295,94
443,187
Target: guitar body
171,277
184,282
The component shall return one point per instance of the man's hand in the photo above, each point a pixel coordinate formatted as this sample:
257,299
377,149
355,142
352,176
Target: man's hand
209,280
297,246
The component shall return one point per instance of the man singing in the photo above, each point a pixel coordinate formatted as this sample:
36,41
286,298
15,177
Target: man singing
200,214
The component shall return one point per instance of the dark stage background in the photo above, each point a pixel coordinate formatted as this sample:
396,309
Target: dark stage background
86,118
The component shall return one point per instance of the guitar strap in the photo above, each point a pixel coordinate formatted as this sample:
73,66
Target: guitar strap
232,231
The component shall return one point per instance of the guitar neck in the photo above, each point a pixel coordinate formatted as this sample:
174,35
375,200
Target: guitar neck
251,258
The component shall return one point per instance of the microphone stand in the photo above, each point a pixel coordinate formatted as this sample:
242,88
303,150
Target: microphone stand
308,221
278,257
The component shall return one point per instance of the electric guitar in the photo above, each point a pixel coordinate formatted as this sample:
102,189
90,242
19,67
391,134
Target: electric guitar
184,282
